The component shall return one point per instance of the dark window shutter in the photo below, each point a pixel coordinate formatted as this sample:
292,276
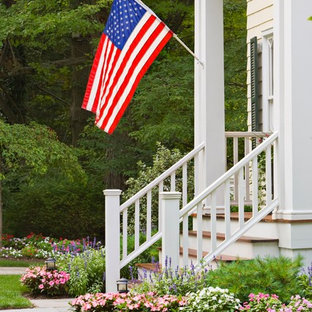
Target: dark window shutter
254,84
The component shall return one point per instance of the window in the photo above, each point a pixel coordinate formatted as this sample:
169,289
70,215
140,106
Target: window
267,79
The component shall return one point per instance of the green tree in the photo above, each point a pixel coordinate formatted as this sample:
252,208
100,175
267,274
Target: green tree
44,61
30,151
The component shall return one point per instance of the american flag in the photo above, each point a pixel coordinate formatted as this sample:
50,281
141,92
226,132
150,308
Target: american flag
132,39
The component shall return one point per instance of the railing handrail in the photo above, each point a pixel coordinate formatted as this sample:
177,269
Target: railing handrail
163,176
243,134
212,187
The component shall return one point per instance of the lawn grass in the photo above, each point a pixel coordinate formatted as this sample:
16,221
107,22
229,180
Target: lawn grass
20,263
11,292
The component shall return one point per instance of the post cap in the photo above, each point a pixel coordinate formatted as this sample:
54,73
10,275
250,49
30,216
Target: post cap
112,192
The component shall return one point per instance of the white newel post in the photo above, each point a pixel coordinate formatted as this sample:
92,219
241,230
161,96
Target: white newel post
209,93
170,202
112,239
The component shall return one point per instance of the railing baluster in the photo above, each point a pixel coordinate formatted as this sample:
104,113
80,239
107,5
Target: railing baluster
255,189
149,215
199,221
196,175
172,182
227,209
241,195
275,169
184,184
235,161
213,219
124,233
137,224
247,170
268,175
160,190
185,240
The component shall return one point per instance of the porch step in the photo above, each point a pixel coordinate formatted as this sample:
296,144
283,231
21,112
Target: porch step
247,247
266,228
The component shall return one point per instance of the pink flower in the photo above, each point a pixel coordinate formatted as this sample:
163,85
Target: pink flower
41,286
51,283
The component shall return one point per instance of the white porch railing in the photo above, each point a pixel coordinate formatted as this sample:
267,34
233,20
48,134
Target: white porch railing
223,184
242,144
247,169
145,197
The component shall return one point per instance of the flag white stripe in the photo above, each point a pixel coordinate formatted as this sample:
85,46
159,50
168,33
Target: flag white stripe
128,65
108,66
125,49
137,70
96,80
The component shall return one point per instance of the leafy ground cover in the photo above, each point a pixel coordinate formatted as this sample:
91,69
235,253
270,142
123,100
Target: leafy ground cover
11,293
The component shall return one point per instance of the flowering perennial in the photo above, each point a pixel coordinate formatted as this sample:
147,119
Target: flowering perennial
127,302
271,303
50,283
298,304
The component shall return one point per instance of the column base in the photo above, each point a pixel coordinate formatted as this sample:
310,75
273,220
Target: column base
292,215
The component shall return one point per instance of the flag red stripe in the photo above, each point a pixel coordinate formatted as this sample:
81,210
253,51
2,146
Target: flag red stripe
109,75
98,91
137,59
132,47
137,81
93,71
108,61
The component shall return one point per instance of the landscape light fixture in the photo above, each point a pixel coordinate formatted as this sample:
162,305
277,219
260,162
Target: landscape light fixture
50,264
122,286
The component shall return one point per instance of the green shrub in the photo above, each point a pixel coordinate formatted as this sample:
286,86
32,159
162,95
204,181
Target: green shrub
50,204
270,275
86,271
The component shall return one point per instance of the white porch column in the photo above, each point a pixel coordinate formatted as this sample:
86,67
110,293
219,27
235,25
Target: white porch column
294,67
293,111
209,90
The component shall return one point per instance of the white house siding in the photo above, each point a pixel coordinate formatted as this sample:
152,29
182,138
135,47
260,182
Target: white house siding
259,18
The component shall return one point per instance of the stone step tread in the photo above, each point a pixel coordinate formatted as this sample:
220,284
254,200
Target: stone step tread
248,215
248,239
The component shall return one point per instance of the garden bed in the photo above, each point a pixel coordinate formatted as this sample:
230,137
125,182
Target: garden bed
257,285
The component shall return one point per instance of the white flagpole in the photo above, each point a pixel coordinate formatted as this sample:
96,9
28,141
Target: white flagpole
174,35
187,48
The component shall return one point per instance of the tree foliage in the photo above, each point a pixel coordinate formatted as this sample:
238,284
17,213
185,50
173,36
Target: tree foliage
46,51
28,152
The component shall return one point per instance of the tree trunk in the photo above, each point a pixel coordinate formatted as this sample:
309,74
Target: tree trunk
1,229
78,116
